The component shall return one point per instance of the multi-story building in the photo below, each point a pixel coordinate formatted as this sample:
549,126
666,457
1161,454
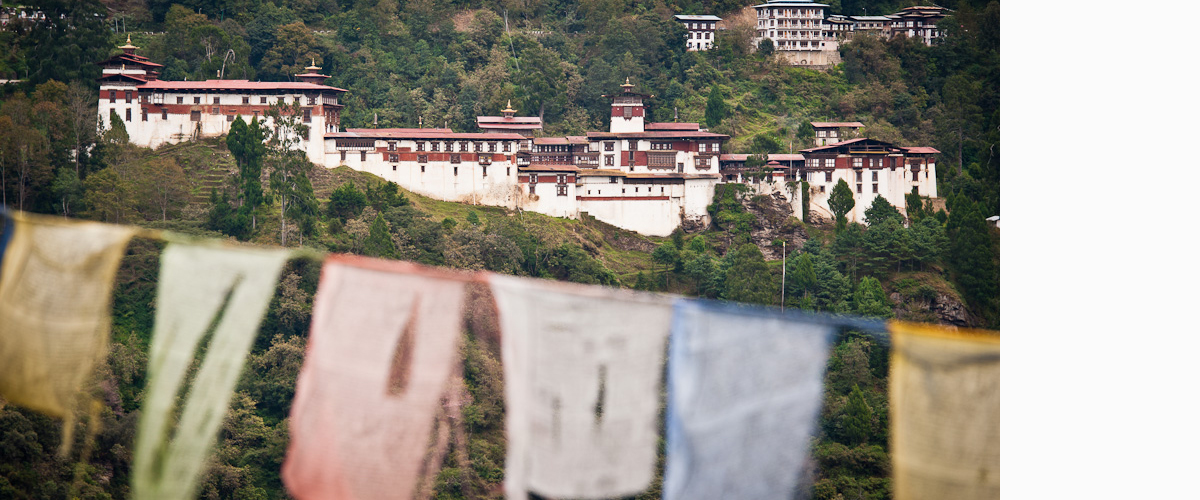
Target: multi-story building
918,22
871,168
702,31
799,31
831,132
157,112
733,166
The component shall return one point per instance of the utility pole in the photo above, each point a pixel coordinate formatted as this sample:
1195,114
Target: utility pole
783,278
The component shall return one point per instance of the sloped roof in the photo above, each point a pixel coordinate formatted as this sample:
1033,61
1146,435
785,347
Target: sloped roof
657,134
836,124
423,133
673,126
234,85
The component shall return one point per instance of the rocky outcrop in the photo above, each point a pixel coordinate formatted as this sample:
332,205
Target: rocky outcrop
773,220
940,308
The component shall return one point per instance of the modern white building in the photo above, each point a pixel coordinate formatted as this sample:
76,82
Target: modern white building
799,30
702,31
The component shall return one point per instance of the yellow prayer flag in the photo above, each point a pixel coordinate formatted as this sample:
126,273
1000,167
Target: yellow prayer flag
945,412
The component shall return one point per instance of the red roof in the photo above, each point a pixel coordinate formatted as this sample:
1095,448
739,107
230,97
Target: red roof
777,157
549,168
505,119
122,75
673,126
656,134
511,126
234,85
836,124
550,140
920,149
423,133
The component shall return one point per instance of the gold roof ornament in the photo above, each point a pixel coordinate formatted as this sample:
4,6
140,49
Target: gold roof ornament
312,66
628,87
128,44
508,108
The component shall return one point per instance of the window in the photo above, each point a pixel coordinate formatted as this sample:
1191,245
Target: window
312,100
229,118
478,147
433,146
112,96
660,146
484,171
422,169
858,163
420,145
491,147
562,178
608,146
829,163
822,189
262,100
362,156
128,96
562,189
612,180
145,116
393,157
343,154
422,158
195,116
701,162
632,146
456,171
455,158
915,179
860,188
875,176
178,99
462,147
216,100
508,171
507,147
195,100
128,114
216,110
391,145
608,160
449,146
164,113
246,99
308,116
874,188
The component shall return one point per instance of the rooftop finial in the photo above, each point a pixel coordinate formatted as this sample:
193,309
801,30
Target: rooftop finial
129,46
627,87
508,110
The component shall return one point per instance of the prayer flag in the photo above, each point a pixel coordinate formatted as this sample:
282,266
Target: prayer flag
383,345
56,283
204,292
744,394
582,371
945,412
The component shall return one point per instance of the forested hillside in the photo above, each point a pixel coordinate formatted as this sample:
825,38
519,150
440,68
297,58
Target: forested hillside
436,62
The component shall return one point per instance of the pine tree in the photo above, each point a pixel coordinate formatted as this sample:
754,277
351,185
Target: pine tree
379,241
871,300
716,110
841,201
858,418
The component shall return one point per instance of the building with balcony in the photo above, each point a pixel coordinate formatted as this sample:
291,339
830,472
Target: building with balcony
702,31
799,30
918,22
509,122
871,168
826,133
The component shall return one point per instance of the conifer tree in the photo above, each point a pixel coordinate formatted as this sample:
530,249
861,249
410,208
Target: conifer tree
379,241
841,201
858,417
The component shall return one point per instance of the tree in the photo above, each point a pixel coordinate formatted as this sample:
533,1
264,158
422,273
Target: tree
716,110
766,47
748,279
971,255
880,211
379,242
164,185
962,112
858,417
245,142
109,197
67,189
346,202
841,201
289,173
870,299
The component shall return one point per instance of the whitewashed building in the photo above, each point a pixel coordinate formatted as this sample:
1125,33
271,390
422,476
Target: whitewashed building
702,31
799,31
871,168
157,112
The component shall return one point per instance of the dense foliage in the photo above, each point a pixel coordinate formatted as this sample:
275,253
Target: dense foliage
444,62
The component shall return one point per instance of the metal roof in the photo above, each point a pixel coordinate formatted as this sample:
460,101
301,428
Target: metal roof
235,85
835,124
698,18
673,126
423,133
657,134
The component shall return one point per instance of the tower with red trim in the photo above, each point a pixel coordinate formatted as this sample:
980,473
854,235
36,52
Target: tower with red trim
628,110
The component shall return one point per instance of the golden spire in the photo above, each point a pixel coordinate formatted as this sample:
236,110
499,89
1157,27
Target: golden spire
312,66
627,87
508,108
128,44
